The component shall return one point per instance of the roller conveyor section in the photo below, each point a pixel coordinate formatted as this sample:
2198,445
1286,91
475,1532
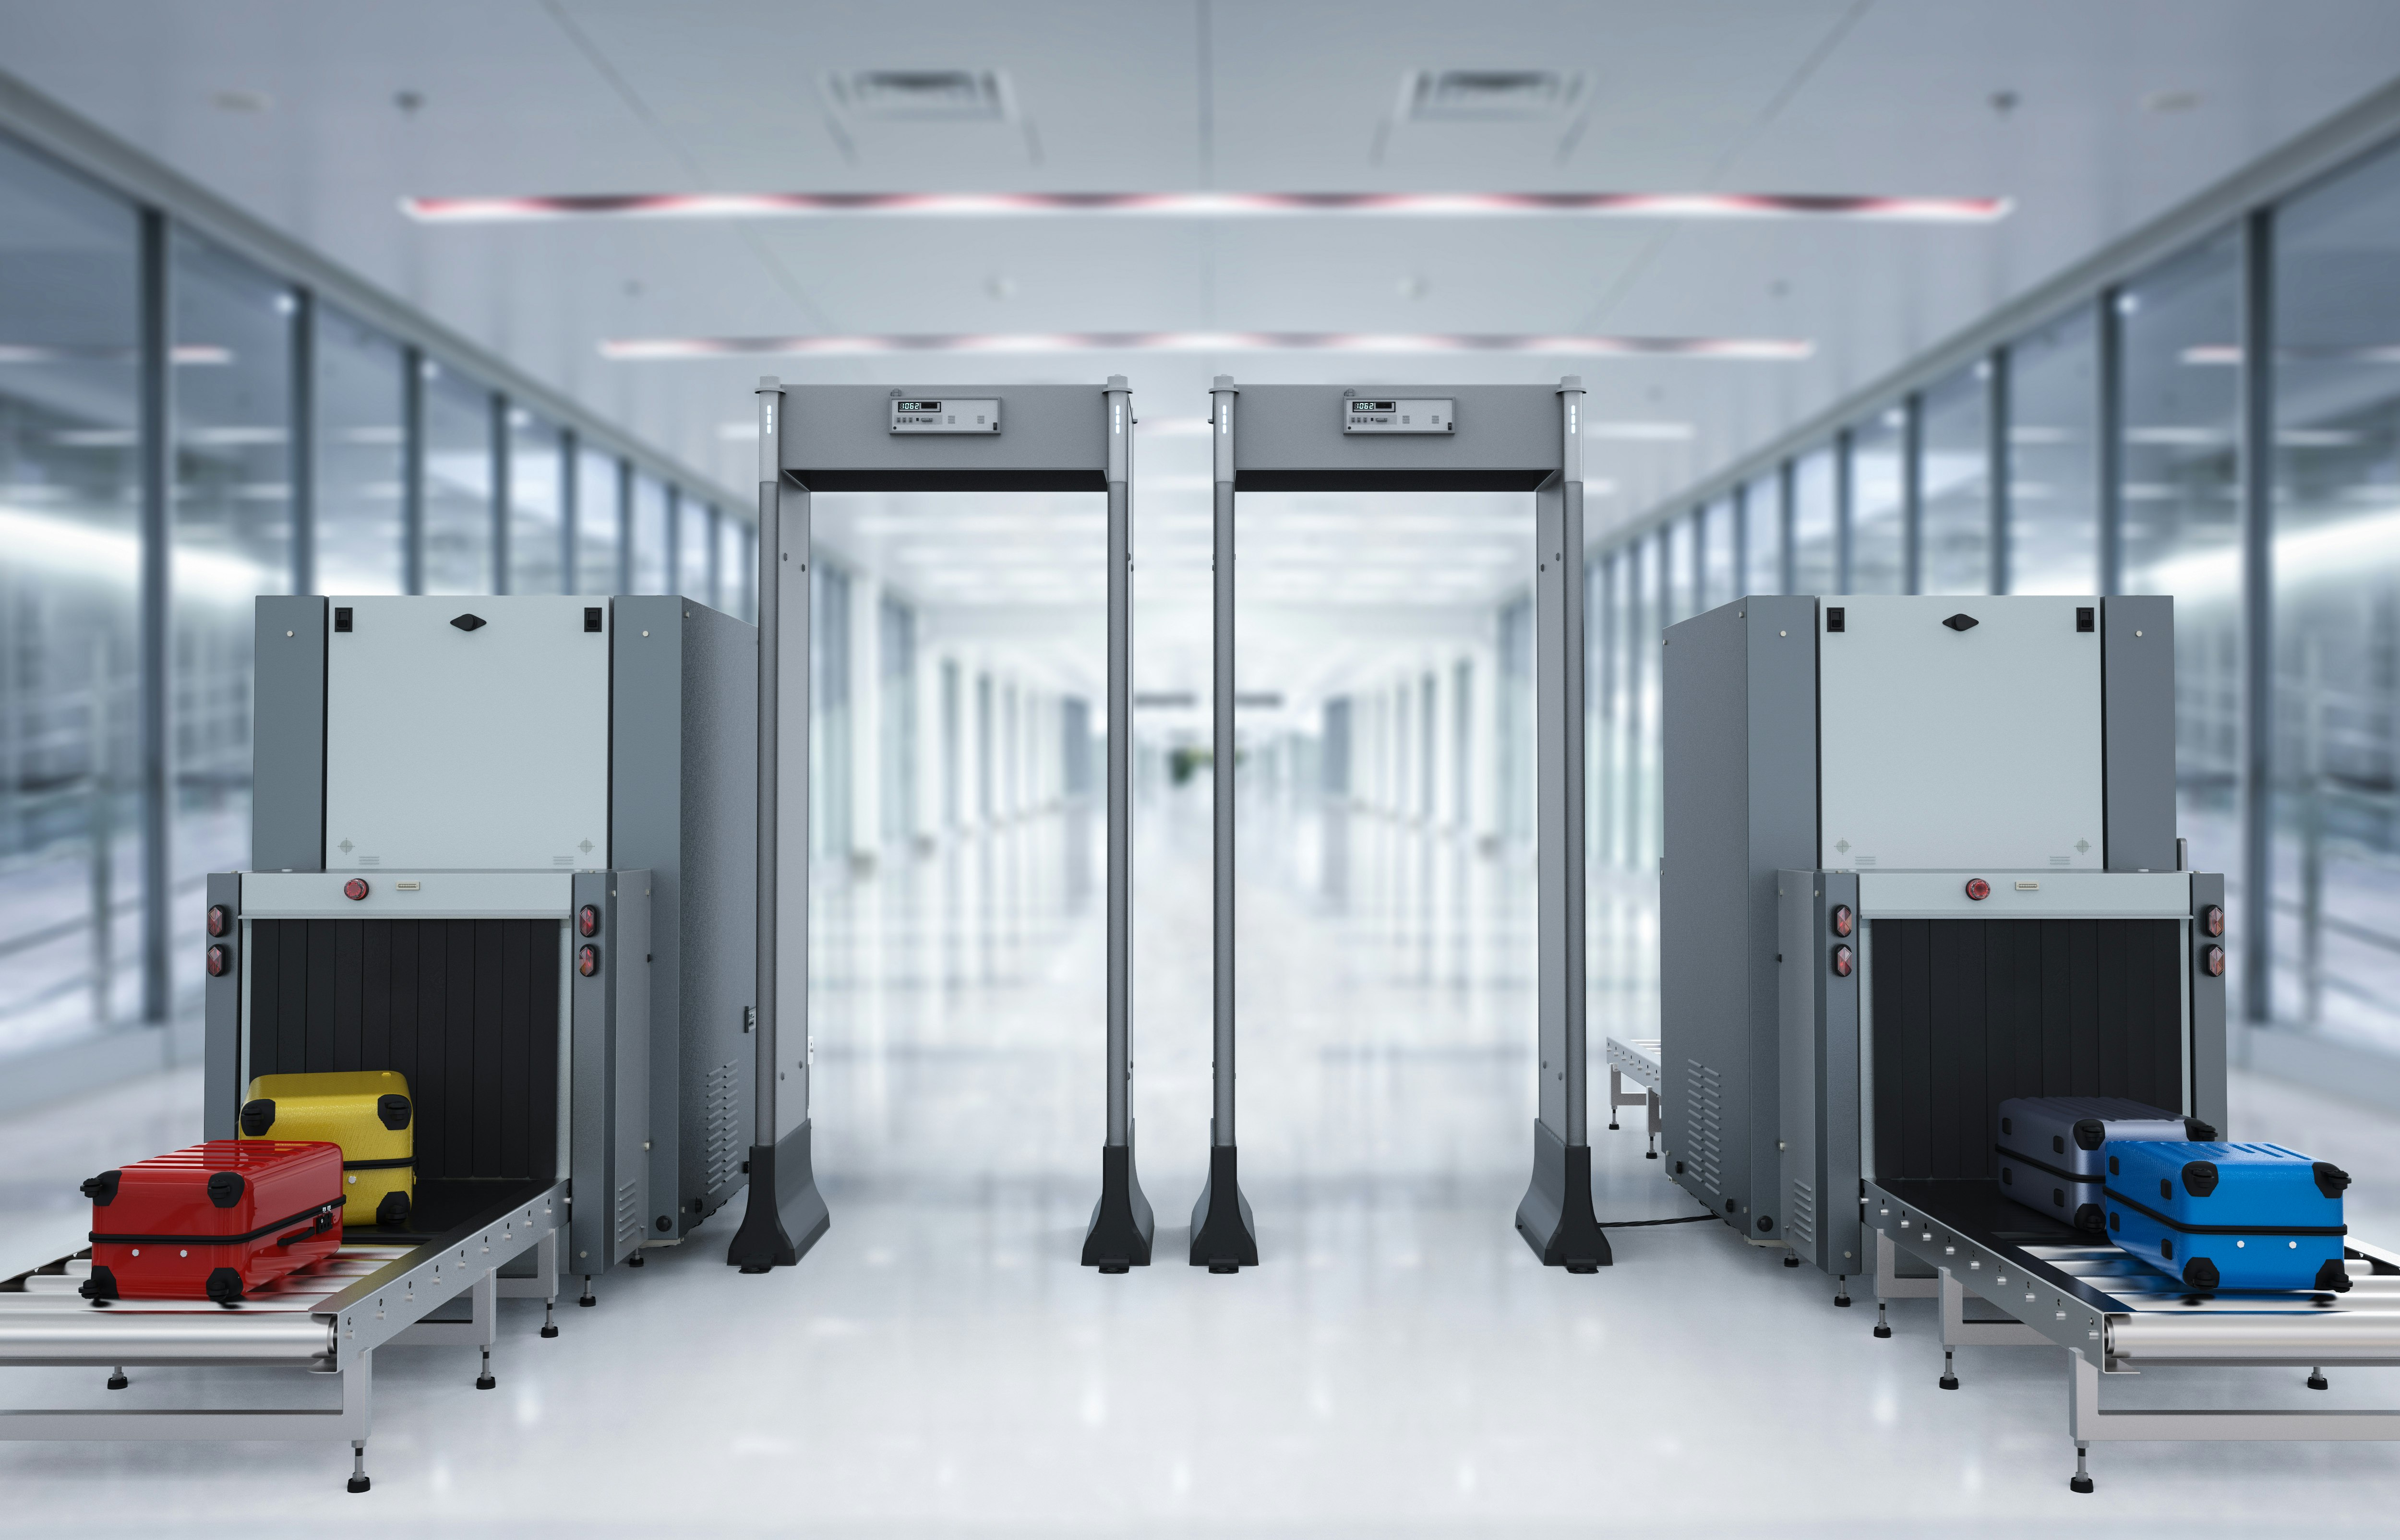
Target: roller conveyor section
2116,1317
1636,1059
327,1320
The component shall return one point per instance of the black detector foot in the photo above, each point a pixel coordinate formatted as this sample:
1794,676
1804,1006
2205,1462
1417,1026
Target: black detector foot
117,1381
785,1215
1223,1239
2316,1380
1790,1262
1119,1237
1555,1216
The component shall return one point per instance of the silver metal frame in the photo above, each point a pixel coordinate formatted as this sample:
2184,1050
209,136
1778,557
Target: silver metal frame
841,448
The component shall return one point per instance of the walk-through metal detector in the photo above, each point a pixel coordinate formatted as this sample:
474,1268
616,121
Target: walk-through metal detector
852,438
1461,438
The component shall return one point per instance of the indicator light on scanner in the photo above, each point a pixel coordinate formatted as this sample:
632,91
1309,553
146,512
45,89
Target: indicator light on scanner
1843,961
221,919
2212,919
587,960
1978,889
355,889
1842,921
220,959
2212,961
587,919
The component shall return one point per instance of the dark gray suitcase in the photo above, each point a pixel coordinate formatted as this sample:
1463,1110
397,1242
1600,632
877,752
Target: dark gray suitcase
2049,1150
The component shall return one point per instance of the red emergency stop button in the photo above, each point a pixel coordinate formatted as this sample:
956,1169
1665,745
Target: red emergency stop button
587,919
1842,921
355,888
219,920
1978,889
2213,961
1843,961
2212,919
587,960
220,959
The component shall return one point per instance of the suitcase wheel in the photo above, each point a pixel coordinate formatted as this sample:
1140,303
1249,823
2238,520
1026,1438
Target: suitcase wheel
225,1285
2332,1275
101,1189
257,1117
102,1285
393,1211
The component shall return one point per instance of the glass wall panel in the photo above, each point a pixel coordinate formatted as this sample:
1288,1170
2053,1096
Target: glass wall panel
536,486
457,519
736,550
70,562
1957,483
1762,516
2181,323
1516,723
1878,503
599,522
695,549
359,416
1717,578
898,709
830,755
232,533
2336,607
650,534
2053,457
1812,523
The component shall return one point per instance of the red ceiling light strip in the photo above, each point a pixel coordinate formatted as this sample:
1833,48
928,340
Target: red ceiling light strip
1769,348
1939,211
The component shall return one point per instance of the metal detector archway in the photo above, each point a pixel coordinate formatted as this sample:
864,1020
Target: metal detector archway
855,438
1463,438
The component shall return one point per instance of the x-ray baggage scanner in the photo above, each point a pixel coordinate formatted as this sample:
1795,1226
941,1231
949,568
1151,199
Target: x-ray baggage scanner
851,438
1921,858
1465,438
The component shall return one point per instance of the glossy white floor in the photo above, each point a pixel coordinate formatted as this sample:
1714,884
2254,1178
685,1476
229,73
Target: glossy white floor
1398,1364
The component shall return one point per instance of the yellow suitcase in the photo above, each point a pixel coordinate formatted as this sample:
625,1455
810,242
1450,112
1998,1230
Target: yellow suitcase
365,1112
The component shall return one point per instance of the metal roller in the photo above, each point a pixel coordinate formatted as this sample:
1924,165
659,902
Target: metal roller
2347,1337
213,1339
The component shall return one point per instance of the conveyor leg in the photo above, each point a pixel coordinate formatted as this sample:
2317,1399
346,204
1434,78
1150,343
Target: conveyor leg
2081,1481
1615,1089
1654,1127
549,1325
587,1301
1790,1259
1883,1322
1949,1369
1842,1292
2318,1380
637,1259
359,1481
484,1380
116,1379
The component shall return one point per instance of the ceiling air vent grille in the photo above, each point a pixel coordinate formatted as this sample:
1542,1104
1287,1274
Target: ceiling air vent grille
924,96
1452,96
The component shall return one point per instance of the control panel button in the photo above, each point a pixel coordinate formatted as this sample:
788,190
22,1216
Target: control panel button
355,889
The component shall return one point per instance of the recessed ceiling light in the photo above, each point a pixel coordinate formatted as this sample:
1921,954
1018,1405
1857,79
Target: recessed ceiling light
243,101
1436,96
1771,349
1206,205
2171,102
922,95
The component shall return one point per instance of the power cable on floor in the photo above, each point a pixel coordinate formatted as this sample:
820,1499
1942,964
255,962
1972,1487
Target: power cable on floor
1636,1224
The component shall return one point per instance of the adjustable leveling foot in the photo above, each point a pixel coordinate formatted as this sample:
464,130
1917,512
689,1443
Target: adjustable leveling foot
484,1380
1223,1240
359,1481
116,1379
1949,1380
549,1327
1883,1322
2081,1479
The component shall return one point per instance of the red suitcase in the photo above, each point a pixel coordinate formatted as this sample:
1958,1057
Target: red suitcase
213,1221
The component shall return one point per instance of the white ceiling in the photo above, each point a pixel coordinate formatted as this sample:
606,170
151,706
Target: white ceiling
2121,110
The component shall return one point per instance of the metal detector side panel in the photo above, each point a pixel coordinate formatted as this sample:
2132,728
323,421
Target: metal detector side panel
610,1058
1960,746
1820,1063
1294,438
1740,804
839,438
482,747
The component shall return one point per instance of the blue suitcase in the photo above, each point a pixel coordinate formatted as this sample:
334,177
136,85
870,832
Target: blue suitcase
2228,1216
2049,1150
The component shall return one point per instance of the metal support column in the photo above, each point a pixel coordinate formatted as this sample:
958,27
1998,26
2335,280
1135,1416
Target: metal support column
1740,506
1224,1238
1787,559
785,1214
2255,945
1912,493
625,532
1555,1217
1120,1234
412,472
569,457
1845,516
1997,457
2112,418
156,420
501,446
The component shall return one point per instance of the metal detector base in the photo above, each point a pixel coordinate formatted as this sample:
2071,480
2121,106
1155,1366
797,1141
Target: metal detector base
1555,1216
786,1214
1223,1239
1122,1225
